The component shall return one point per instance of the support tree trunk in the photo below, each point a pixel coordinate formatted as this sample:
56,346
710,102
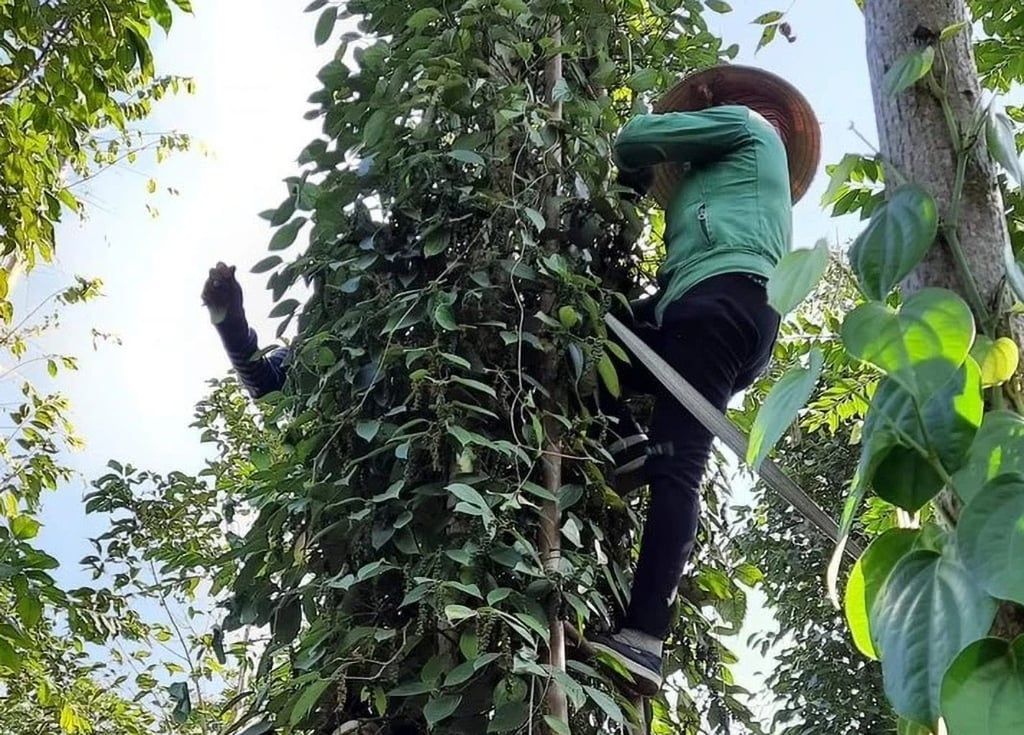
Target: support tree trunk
550,542
914,138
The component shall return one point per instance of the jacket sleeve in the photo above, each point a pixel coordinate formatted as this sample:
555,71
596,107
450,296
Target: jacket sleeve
259,375
681,137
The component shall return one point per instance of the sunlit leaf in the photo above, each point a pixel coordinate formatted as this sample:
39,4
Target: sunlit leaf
866,581
998,359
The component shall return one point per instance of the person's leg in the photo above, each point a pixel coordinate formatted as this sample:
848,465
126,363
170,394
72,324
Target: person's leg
629,440
716,334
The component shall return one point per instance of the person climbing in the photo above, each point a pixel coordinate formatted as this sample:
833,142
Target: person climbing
259,373
726,153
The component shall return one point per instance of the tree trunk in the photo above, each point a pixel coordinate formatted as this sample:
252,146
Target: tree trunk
550,541
915,139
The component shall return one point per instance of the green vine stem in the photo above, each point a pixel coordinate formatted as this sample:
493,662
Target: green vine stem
951,224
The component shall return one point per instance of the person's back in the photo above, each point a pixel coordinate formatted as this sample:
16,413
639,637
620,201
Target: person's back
727,178
731,210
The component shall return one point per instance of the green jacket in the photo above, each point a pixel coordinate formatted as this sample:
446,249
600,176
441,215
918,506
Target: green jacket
732,212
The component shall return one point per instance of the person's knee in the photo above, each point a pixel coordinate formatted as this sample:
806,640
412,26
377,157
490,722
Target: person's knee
679,467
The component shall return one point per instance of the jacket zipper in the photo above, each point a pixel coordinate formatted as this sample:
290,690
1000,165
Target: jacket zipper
702,216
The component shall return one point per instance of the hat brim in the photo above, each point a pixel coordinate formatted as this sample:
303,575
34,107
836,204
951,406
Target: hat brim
761,91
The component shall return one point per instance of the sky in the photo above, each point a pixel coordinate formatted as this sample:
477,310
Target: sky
254,63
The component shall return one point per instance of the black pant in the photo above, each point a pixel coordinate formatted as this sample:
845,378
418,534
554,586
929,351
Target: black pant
719,336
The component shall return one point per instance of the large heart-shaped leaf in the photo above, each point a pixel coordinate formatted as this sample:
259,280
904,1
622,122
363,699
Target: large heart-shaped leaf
901,436
997,449
990,534
920,346
795,277
868,577
983,689
928,611
896,239
781,406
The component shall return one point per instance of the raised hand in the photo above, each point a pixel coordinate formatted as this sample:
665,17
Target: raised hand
222,294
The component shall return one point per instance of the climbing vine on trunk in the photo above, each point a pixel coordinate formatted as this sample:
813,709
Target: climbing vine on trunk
943,439
455,327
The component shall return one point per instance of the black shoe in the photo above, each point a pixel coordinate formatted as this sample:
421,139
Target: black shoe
630,455
643,666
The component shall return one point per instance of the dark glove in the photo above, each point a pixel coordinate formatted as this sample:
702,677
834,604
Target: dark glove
639,181
222,294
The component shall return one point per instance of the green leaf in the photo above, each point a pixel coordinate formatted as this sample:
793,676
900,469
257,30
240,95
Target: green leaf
471,497
997,449
560,727
866,581
928,610
781,407
1014,271
900,233
568,316
260,728
161,13
287,620
796,276
460,674
182,701
30,609
444,317
284,308
990,536
609,375
455,613
983,689
535,217
471,157
267,264
997,359
367,430
440,708
9,658
422,18
909,70
902,434
719,6
949,31
1002,143
509,716
771,17
921,346
516,7
325,25
909,727
606,703
24,527
286,234
306,701
218,645
411,689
